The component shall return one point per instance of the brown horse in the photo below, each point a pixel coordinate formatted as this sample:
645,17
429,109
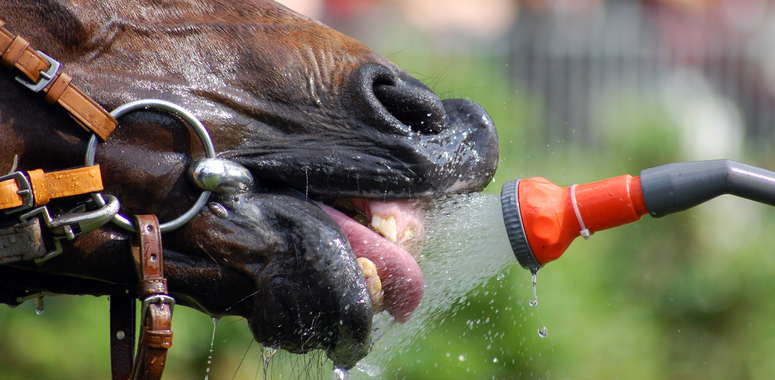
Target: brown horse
314,115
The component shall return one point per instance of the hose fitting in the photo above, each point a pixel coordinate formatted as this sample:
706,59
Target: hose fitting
550,217
542,219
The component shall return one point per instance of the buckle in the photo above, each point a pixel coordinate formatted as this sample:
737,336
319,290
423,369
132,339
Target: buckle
45,77
71,224
158,299
25,191
76,221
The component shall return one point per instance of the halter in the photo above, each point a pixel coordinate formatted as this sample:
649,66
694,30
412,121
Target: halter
26,195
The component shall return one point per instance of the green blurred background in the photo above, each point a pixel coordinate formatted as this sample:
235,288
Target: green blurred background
579,93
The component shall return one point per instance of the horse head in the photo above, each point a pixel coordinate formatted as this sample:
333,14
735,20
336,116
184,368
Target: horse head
330,131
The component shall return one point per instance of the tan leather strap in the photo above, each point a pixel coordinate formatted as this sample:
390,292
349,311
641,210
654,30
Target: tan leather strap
9,194
155,332
46,186
15,53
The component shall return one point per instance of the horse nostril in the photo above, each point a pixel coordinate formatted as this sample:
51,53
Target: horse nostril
412,104
400,99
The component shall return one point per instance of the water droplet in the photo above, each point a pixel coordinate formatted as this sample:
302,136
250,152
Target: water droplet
120,335
39,305
340,374
212,345
369,369
543,331
534,301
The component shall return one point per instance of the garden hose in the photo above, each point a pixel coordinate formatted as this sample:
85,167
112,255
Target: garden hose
542,219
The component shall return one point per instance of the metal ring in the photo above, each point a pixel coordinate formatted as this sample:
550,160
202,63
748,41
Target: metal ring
189,118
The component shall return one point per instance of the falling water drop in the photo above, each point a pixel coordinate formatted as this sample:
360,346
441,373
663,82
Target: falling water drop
340,374
39,305
266,356
534,301
543,331
212,345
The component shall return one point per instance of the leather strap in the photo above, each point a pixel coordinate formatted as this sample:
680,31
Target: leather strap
22,241
46,186
15,53
9,194
122,335
155,332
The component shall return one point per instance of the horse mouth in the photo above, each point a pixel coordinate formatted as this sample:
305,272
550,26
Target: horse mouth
386,237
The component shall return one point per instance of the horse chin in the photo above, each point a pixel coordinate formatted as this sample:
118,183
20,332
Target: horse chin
305,261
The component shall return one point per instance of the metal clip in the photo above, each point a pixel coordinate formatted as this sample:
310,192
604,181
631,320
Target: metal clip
45,77
159,299
85,221
73,223
25,190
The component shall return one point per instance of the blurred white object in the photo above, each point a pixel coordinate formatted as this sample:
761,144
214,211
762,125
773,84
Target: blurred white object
310,8
478,18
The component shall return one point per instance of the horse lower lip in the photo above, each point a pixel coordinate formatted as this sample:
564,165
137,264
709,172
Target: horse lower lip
402,278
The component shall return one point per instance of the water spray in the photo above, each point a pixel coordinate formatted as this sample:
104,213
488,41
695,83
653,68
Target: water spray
542,219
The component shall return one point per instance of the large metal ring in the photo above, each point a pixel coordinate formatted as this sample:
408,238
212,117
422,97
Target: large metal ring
189,118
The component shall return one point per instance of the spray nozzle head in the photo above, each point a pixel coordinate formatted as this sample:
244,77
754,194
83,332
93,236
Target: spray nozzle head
542,219
512,218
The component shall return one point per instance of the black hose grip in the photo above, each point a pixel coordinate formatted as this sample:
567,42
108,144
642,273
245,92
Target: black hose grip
512,218
679,186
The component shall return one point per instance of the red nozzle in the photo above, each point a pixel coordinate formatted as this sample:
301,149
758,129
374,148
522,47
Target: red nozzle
550,221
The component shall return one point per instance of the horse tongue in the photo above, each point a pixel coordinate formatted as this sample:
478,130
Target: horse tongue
402,280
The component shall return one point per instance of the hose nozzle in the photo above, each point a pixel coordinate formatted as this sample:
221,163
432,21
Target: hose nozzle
542,219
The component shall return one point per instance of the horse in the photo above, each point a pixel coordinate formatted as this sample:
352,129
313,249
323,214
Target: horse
334,136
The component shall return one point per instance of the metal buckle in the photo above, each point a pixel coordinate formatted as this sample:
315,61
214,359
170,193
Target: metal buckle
77,221
72,223
45,77
25,190
159,299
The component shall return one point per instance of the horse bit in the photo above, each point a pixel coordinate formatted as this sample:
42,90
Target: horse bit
25,196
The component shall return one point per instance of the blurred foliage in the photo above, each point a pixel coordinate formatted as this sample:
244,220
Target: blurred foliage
687,296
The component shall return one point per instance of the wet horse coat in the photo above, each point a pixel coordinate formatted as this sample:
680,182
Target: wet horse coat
313,114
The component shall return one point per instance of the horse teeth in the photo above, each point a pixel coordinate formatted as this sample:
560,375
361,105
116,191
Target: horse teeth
407,238
388,227
411,242
373,282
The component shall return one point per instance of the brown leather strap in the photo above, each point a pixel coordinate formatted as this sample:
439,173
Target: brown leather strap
155,332
15,53
122,335
46,186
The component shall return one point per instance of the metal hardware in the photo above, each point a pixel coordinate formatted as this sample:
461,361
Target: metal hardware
72,223
221,176
34,295
77,221
192,121
159,299
45,76
25,190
